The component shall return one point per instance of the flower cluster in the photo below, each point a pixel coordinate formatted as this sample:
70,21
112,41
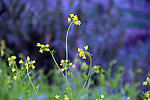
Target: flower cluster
147,94
43,47
58,96
28,63
11,60
75,19
82,52
146,81
66,63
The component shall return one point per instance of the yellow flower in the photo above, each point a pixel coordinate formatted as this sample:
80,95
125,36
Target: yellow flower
47,45
28,58
66,97
13,70
33,62
84,57
57,96
145,83
147,79
38,44
41,51
14,77
47,49
66,60
65,68
86,47
21,61
26,64
8,59
33,66
69,20
77,22
75,18
81,54
147,94
70,64
13,57
79,49
102,96
73,66
2,53
62,61
42,46
62,69
71,15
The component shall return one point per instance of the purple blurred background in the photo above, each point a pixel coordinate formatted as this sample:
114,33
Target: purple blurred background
113,29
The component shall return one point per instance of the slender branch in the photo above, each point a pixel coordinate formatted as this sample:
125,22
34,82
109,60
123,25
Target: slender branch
88,76
32,83
57,64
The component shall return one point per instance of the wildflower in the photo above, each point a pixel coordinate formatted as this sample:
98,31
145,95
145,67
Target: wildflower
84,57
79,49
75,18
21,61
38,45
47,45
33,66
71,15
102,96
147,79
8,59
145,83
2,53
41,51
33,62
70,64
65,68
42,46
66,97
69,20
62,69
28,58
77,23
13,57
62,61
73,66
57,96
66,60
86,47
14,77
13,70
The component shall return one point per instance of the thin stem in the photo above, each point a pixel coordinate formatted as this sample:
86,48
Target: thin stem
67,54
32,83
88,76
57,65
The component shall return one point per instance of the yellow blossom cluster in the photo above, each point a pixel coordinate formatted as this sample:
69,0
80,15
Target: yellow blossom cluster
146,81
43,47
28,63
66,97
57,96
82,52
66,63
147,94
11,60
75,19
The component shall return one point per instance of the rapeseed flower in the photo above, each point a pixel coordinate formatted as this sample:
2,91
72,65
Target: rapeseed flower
102,96
145,83
13,70
82,52
43,47
14,77
21,61
75,19
66,97
57,96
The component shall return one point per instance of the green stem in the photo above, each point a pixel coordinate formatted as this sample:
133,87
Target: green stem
32,83
88,76
67,54
57,64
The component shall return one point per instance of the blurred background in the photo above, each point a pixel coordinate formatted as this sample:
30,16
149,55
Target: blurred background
114,30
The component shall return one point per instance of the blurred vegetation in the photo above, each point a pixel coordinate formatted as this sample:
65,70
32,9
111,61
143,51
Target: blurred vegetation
111,31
